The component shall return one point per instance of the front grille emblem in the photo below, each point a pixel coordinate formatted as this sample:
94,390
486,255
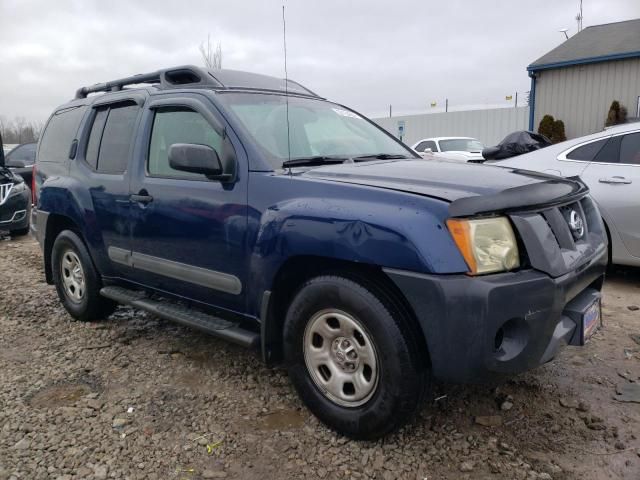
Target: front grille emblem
5,190
576,225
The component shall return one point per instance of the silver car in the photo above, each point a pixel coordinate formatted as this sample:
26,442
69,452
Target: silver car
609,163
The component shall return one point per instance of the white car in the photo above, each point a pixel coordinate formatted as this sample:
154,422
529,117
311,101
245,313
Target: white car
465,149
8,147
609,163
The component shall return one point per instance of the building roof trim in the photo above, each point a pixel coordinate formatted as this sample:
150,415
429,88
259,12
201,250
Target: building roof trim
583,61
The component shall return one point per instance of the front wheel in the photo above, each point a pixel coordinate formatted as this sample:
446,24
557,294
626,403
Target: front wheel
77,281
353,357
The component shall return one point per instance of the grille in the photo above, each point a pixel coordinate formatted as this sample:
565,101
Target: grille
5,189
572,223
552,239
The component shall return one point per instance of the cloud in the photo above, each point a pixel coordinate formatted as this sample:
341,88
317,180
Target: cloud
366,54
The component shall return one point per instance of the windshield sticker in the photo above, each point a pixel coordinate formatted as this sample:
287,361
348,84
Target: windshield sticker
345,113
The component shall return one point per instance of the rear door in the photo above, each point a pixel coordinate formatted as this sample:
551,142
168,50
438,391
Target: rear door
102,165
189,232
614,180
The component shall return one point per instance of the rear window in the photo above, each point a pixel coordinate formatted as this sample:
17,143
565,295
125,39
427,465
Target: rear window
60,132
24,153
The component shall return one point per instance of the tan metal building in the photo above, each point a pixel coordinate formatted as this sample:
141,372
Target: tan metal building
577,81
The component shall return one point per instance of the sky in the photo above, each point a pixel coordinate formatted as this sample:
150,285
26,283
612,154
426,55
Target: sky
365,54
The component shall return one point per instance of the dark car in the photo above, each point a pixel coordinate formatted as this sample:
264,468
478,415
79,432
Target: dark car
21,160
255,210
15,200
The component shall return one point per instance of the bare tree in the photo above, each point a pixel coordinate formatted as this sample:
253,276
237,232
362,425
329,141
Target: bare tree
211,56
19,130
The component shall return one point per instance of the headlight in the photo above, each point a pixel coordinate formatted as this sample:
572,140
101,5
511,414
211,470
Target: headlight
18,188
488,245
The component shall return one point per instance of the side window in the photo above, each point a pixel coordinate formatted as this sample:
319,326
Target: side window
95,137
587,152
610,153
421,146
630,149
117,137
432,146
178,125
61,130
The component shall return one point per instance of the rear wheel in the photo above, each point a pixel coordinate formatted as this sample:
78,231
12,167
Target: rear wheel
353,358
77,281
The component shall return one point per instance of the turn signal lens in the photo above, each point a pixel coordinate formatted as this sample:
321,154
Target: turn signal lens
488,245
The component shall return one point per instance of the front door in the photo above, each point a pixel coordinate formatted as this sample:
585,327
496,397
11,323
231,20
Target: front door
614,182
188,232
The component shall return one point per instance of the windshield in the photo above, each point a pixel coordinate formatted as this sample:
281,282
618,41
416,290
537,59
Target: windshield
317,128
461,145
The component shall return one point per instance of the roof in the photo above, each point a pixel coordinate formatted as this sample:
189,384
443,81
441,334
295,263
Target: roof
189,76
598,43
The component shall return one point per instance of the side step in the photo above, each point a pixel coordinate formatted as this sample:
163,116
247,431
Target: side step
211,324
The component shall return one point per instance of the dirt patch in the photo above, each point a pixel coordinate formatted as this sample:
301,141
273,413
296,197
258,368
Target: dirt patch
59,395
135,397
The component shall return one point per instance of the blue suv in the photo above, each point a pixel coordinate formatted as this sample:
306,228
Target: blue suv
253,209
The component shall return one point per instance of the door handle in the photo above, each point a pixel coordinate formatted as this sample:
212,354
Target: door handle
142,197
621,180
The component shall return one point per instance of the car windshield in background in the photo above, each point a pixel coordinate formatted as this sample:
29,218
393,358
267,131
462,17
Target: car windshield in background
461,145
317,129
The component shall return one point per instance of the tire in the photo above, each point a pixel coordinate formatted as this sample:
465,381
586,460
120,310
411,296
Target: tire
384,395
78,290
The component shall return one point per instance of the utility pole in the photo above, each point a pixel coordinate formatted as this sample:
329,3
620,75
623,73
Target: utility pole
446,105
515,105
390,110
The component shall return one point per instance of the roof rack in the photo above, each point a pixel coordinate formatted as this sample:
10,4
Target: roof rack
171,77
189,75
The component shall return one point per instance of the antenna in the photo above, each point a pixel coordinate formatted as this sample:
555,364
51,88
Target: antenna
286,81
579,17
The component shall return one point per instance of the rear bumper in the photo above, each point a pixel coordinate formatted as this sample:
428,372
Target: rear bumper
461,317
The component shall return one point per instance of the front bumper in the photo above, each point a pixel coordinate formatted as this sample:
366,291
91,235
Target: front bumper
15,212
461,317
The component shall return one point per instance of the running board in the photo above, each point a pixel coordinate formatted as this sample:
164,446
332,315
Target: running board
189,317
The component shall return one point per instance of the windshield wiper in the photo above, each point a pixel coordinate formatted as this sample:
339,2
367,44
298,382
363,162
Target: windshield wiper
313,161
380,156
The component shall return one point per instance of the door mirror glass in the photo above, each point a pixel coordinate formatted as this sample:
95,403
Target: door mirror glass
194,158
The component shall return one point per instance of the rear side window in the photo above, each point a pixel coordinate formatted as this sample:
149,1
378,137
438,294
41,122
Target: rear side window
630,149
587,152
610,153
59,134
111,137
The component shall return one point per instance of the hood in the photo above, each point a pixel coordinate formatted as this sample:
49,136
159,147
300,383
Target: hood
473,188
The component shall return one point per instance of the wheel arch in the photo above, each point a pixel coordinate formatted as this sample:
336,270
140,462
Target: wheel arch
55,225
295,271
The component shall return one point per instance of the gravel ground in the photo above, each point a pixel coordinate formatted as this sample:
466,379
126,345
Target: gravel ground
134,397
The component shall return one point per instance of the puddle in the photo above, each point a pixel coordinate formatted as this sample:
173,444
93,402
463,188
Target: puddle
282,420
59,395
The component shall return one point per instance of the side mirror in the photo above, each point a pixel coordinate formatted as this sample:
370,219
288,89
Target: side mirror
1,152
428,150
195,158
